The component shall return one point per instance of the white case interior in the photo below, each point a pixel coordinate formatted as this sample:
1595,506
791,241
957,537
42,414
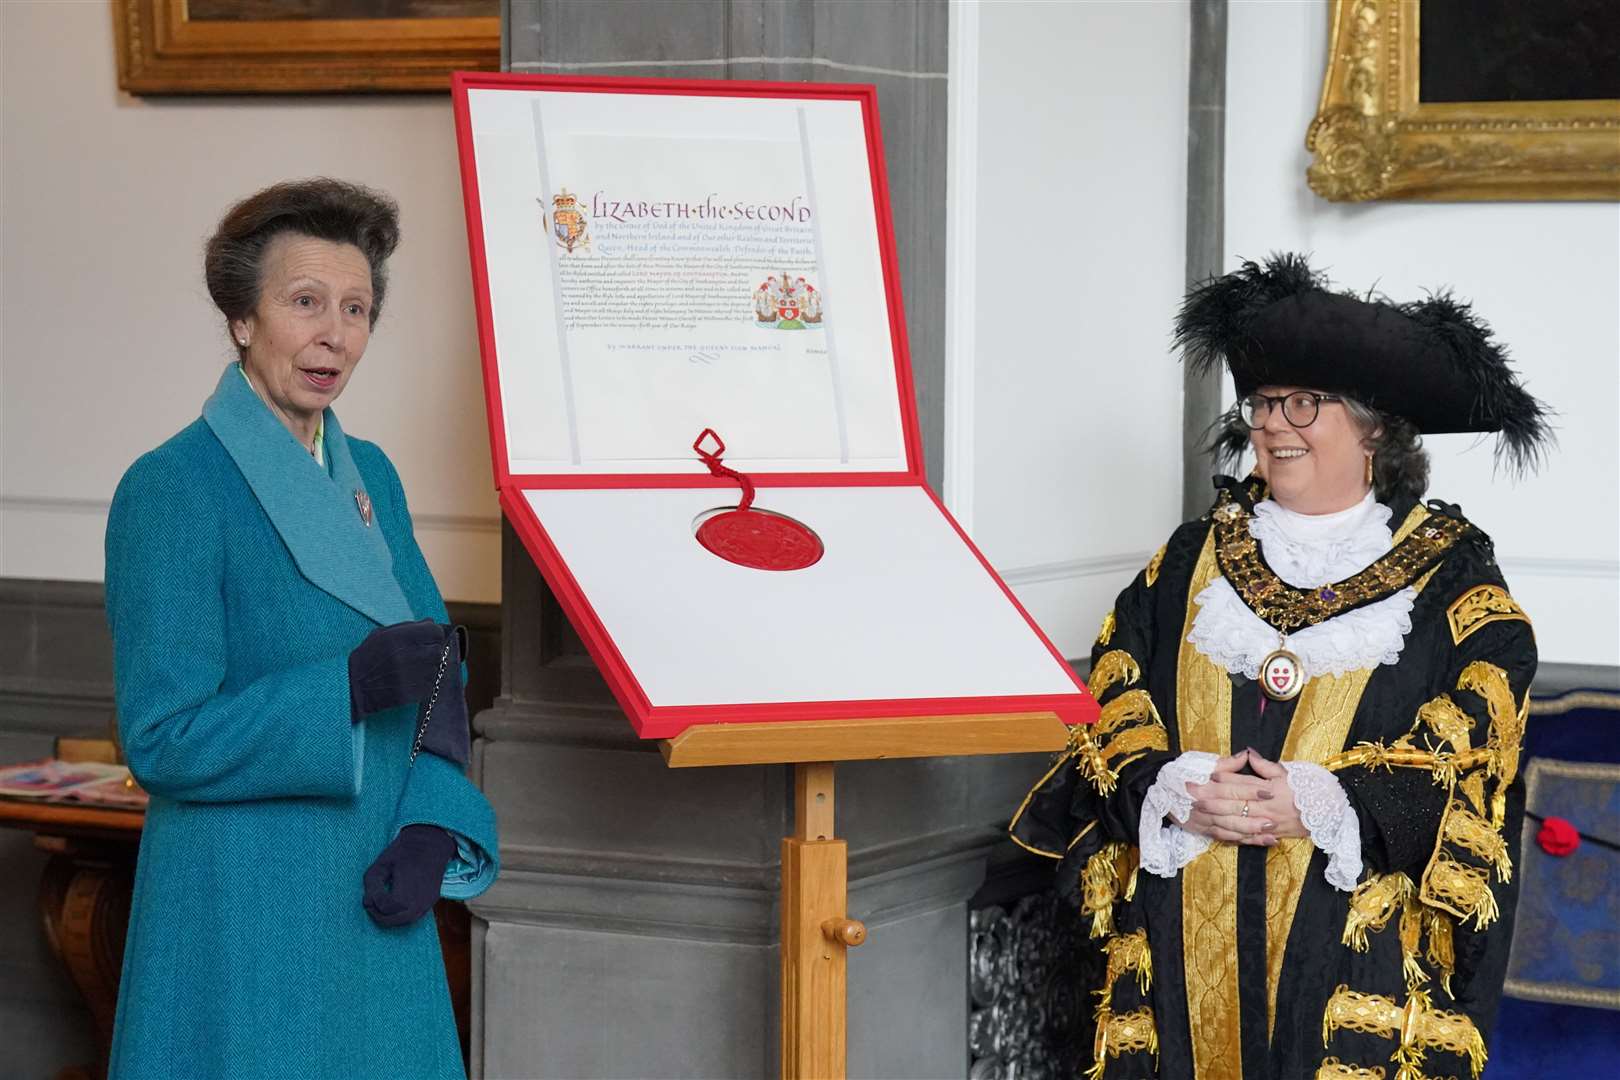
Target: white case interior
898,606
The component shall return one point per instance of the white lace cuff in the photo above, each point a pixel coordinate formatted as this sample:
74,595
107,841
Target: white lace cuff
1167,848
1326,812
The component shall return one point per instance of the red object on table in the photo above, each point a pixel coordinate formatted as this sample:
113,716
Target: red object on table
1558,837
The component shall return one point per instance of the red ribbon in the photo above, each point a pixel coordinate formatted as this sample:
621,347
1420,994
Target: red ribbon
711,458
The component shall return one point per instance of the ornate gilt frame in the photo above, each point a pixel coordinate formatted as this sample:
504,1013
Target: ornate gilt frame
161,50
1373,139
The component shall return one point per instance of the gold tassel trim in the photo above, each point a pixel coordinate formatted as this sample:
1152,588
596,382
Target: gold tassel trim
1411,944
1131,707
1129,952
1468,830
1106,633
1110,668
1371,905
1127,1033
1135,740
1417,1026
1441,951
1462,890
1507,728
1099,883
1448,722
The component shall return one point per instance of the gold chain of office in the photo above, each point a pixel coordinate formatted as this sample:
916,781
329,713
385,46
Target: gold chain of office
1286,608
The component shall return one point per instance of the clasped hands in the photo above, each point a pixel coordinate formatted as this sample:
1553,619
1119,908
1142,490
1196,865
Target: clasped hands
1218,810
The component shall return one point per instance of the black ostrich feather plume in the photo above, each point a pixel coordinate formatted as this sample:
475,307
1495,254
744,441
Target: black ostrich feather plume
1216,317
1501,403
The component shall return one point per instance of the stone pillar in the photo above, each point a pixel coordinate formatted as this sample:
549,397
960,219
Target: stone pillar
634,929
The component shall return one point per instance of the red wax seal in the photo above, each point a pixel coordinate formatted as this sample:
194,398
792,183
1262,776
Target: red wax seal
1558,837
761,540
758,539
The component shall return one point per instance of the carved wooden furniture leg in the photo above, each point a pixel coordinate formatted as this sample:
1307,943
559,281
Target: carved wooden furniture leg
816,933
84,897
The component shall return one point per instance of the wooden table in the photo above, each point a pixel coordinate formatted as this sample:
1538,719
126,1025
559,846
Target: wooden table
84,899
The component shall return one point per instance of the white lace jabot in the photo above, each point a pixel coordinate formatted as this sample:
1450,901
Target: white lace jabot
1307,551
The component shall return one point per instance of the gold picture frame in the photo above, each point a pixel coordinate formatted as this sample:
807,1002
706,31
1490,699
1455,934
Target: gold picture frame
163,48
1372,137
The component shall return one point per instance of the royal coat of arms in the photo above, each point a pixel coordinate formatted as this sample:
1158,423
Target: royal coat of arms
568,222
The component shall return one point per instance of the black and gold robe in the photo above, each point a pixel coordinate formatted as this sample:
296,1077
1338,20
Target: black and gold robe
1248,964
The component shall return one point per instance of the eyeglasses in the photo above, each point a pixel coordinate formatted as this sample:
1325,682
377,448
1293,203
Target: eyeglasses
1299,408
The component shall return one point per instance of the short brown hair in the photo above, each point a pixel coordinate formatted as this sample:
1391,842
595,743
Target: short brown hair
322,208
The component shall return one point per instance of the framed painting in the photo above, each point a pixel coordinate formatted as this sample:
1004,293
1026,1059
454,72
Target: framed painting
302,46
1469,99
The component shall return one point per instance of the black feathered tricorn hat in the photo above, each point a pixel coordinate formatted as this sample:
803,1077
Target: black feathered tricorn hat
1431,361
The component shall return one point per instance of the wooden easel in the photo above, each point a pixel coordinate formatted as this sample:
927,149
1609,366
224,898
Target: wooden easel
817,932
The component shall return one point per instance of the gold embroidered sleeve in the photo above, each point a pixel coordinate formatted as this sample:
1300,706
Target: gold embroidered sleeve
1469,846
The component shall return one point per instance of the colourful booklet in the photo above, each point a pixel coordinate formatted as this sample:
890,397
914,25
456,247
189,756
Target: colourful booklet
51,780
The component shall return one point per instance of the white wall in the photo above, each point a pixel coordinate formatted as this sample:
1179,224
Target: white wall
1068,234
1545,275
108,343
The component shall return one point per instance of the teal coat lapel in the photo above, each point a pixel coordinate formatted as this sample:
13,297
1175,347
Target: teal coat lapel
318,516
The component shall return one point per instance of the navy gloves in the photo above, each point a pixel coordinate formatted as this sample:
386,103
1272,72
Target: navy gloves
394,666
404,882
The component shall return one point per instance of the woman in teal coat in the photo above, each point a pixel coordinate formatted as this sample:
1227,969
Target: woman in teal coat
277,636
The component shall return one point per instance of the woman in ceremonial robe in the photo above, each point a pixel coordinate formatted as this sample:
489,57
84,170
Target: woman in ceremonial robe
275,627
1293,827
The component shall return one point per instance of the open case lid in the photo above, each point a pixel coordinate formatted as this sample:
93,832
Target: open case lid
656,257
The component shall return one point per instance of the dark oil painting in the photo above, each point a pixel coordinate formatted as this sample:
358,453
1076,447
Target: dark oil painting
255,10
1519,50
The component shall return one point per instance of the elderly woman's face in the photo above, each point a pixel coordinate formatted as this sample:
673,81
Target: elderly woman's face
1316,469
311,325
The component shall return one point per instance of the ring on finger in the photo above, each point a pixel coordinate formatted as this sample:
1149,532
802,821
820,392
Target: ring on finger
1245,812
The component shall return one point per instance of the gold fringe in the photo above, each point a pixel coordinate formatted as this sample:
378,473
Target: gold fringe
1463,891
1417,1026
1441,951
1110,668
1468,830
1126,1033
1411,942
1447,721
1129,952
1106,633
1473,786
1136,739
1507,726
1371,905
1099,884
1131,707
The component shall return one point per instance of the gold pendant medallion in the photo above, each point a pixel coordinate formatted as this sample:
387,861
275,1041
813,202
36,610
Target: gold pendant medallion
1282,675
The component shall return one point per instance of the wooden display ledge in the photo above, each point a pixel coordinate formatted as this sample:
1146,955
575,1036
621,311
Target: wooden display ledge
862,740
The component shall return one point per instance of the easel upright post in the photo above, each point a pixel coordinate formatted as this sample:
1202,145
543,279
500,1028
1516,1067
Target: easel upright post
816,933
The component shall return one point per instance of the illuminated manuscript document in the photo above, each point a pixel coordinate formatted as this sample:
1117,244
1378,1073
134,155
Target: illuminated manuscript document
659,265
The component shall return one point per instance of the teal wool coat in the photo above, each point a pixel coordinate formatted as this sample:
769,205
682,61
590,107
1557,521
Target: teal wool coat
240,575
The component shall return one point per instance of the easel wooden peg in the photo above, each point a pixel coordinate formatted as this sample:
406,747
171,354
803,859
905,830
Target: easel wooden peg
817,933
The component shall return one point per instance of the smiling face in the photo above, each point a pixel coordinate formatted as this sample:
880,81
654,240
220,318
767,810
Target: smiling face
310,327
1318,469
